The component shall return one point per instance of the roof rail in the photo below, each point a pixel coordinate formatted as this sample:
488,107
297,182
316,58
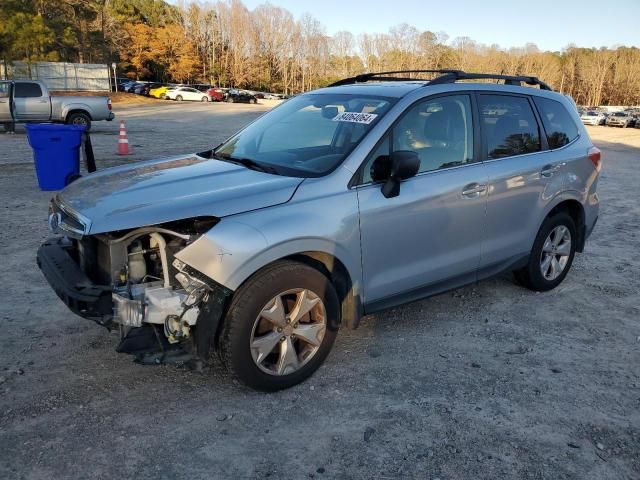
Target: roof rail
366,77
448,76
455,75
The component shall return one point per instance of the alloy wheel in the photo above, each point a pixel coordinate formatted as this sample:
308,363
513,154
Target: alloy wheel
555,253
288,332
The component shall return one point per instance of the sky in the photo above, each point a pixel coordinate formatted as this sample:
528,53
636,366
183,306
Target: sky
550,24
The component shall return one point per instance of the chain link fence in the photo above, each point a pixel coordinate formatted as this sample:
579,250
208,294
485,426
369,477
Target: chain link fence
61,75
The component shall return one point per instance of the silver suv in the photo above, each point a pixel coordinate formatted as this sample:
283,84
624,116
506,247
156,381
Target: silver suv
376,191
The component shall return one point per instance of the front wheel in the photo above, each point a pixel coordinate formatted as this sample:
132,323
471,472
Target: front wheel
229,100
280,326
552,254
204,99
179,98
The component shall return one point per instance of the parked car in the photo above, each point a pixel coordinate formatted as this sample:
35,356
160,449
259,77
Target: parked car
186,93
140,89
592,117
29,101
146,88
240,96
620,119
216,94
159,92
341,202
132,86
124,85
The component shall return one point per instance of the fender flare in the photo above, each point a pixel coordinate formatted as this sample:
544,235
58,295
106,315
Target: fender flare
74,107
564,196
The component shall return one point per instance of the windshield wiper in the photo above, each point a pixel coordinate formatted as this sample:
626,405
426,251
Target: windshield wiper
246,162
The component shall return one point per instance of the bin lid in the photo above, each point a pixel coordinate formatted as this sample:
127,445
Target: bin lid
54,127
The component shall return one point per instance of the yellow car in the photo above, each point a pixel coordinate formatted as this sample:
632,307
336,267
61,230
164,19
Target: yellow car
158,92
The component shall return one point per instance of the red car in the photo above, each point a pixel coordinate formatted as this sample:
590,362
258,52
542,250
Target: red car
216,94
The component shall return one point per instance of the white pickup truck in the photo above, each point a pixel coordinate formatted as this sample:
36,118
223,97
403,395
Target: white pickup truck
23,101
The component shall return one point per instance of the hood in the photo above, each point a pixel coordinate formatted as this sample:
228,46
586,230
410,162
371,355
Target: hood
148,193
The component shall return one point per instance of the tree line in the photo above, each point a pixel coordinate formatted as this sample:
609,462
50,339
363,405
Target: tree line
225,43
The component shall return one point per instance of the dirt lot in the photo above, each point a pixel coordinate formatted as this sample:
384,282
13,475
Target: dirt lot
491,381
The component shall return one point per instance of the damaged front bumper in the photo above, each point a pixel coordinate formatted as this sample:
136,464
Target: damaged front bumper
72,286
193,312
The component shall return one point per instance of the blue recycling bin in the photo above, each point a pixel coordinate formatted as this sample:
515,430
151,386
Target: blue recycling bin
56,153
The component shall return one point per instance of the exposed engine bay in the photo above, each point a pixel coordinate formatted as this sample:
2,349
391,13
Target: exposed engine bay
149,286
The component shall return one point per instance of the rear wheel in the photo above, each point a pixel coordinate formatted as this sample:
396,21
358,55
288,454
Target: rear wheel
204,99
552,254
79,118
179,98
280,326
229,100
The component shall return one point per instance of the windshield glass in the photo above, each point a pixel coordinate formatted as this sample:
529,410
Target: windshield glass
619,114
307,136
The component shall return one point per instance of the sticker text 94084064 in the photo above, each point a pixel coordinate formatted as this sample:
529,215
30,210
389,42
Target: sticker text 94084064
355,117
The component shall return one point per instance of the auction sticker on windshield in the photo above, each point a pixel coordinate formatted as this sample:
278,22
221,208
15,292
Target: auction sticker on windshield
355,117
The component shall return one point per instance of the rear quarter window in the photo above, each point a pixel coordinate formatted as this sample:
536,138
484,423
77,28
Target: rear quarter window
26,90
557,122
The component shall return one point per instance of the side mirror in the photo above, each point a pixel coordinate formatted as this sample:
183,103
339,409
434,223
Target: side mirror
329,112
399,166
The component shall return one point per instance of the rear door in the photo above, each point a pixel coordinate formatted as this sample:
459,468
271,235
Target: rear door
29,102
6,102
522,177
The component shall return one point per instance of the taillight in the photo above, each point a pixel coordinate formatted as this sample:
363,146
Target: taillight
109,103
594,155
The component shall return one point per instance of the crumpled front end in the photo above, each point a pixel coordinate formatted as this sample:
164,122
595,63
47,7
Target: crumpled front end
131,280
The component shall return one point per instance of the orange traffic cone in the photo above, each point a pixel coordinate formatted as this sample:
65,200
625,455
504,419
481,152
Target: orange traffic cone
123,141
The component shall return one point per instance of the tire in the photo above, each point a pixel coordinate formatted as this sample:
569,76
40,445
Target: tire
229,100
244,320
531,276
253,101
79,118
179,98
204,99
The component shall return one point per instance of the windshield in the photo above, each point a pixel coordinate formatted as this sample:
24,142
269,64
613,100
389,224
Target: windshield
307,136
619,114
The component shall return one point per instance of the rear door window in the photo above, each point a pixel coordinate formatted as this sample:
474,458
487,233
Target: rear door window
509,125
558,124
26,90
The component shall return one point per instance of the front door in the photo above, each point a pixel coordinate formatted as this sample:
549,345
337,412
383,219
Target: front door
29,102
428,238
6,102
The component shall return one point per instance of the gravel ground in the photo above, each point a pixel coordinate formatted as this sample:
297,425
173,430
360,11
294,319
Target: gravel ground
490,381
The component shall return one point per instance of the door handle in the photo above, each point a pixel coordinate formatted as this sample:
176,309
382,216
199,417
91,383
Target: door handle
473,190
548,170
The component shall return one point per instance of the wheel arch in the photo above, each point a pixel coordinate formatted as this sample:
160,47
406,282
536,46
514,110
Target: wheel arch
575,209
231,262
77,108
336,271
